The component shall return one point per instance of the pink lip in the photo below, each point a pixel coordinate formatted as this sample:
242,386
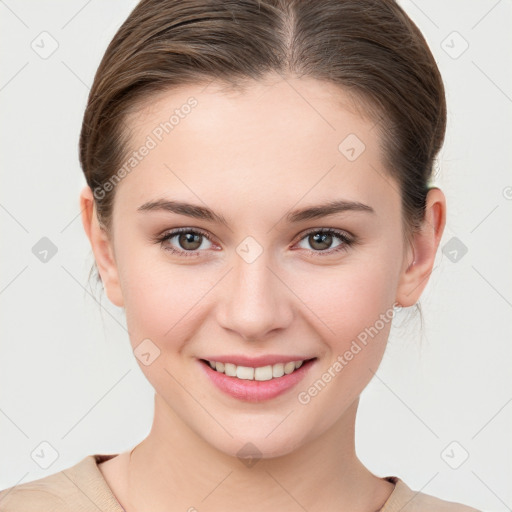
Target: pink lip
255,362
253,390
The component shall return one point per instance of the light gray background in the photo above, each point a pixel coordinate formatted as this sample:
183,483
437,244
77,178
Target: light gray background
67,373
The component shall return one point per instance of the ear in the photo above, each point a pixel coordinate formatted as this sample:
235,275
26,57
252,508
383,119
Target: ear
101,247
417,269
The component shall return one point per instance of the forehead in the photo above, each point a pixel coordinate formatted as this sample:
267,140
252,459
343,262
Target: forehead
301,137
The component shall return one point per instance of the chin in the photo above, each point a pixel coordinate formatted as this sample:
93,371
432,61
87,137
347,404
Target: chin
259,441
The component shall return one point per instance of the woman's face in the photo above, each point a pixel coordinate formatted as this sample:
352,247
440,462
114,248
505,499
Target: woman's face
255,278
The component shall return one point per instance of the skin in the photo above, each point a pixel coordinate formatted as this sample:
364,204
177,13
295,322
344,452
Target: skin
253,156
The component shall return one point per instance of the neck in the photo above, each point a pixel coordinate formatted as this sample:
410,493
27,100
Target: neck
175,468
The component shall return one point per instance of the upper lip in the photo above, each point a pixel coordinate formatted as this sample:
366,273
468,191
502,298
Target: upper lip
255,362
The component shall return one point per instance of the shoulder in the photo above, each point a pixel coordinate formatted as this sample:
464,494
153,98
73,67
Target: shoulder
79,488
403,498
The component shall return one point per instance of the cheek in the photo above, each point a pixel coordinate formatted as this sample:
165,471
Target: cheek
352,307
345,300
162,300
340,307
355,317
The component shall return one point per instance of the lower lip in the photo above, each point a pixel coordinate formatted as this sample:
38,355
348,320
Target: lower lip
256,390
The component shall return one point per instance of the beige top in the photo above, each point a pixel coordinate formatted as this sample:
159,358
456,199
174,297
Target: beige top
82,488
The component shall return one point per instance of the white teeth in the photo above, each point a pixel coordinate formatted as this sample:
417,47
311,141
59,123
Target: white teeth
278,370
230,369
289,367
261,373
244,372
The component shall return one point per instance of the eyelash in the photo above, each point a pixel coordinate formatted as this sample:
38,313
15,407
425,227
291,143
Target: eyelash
347,242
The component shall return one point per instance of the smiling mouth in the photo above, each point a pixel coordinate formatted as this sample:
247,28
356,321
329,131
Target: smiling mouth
260,373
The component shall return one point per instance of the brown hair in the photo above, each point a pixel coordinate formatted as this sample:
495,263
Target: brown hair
370,48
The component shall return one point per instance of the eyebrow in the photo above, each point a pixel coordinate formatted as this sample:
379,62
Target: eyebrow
330,208
204,213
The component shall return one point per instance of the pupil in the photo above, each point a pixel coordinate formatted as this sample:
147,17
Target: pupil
187,238
322,238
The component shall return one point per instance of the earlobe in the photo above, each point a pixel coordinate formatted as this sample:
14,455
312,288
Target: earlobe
102,248
415,275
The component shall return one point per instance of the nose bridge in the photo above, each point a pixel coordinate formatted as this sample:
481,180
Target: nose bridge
254,302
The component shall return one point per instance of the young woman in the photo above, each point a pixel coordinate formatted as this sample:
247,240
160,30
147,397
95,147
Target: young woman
258,197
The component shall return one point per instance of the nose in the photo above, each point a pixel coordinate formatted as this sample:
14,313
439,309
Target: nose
256,303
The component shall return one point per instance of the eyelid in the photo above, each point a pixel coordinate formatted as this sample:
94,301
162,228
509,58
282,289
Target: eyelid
186,229
346,238
169,234
175,231
339,232
347,241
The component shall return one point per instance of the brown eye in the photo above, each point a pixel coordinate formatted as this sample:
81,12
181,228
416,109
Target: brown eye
190,241
320,241
184,242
